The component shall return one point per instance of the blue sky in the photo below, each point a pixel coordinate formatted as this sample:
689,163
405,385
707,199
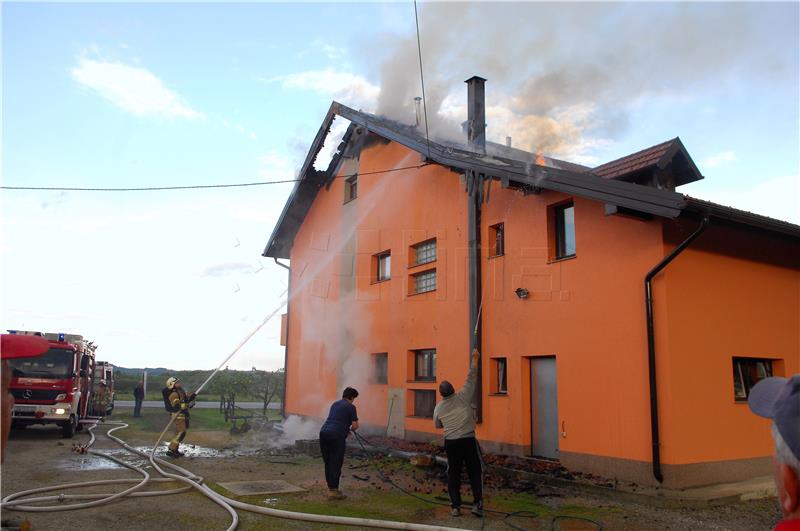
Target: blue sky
116,95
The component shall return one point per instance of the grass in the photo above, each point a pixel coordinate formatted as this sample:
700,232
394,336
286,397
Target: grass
153,419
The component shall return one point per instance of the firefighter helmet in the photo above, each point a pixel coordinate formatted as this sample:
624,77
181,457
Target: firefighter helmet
171,382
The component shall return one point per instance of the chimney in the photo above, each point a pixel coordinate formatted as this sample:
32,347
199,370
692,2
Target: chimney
476,113
508,141
417,112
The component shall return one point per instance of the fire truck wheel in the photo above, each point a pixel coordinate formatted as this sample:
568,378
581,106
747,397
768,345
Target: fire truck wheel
68,428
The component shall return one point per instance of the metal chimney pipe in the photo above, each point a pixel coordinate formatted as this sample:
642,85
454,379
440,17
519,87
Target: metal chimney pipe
417,113
476,113
508,141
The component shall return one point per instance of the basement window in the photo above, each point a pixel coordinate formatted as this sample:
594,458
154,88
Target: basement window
424,402
425,365
497,240
424,253
381,367
350,188
383,266
746,373
564,217
499,376
424,282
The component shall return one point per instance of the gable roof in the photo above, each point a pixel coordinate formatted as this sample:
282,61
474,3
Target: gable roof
554,175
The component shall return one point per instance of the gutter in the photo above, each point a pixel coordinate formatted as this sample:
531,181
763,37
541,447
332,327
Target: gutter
286,348
651,344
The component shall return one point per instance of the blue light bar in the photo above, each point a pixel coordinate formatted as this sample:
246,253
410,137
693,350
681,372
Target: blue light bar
61,336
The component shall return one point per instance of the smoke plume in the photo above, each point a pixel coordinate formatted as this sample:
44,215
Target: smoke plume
564,77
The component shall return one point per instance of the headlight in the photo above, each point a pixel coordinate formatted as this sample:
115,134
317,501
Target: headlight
60,411
62,396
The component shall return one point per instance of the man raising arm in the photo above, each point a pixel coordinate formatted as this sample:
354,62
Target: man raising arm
456,415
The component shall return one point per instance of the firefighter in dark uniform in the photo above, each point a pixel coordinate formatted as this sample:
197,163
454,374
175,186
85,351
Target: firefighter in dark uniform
179,404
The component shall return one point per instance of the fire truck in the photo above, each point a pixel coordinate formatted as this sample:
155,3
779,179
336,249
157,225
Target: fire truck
56,387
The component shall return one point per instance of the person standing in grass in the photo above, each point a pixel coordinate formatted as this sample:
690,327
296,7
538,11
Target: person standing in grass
342,419
138,397
456,415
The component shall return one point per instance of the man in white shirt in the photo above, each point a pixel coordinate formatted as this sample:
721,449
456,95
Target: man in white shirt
455,413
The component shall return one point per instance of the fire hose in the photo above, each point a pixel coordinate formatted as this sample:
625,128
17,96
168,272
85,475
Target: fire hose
21,502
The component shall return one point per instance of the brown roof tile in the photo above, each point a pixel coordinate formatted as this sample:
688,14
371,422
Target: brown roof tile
634,162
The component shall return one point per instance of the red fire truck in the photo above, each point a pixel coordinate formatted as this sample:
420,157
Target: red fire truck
56,387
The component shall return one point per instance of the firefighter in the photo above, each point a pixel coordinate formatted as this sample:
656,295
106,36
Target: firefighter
179,405
102,399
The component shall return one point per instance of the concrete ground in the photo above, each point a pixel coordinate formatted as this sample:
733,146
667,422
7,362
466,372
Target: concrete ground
39,456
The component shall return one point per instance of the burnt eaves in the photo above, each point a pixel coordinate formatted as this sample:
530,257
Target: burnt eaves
664,165
569,179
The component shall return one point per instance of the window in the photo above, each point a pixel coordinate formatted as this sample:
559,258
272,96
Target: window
424,282
565,230
424,252
424,402
497,240
381,366
350,188
383,266
746,373
425,365
500,383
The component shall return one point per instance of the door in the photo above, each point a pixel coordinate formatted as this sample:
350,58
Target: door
544,408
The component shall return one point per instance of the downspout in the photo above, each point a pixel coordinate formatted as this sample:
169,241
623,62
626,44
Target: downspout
286,347
651,344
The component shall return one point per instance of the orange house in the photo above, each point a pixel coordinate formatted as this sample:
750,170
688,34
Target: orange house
621,323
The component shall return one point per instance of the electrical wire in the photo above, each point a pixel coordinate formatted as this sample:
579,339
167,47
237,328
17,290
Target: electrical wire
422,81
198,186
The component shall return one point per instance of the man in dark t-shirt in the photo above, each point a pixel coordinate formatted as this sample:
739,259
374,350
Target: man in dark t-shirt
342,419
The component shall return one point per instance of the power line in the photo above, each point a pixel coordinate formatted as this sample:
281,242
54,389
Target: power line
197,186
422,80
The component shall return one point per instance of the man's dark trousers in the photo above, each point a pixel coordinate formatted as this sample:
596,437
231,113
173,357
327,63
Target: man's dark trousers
459,452
332,447
137,408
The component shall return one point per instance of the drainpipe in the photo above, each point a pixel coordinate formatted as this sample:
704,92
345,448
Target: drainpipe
286,348
651,344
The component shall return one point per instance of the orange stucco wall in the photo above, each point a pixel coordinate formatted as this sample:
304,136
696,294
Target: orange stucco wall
714,302
587,311
743,303
339,316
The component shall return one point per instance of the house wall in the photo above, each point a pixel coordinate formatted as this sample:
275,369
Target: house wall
732,293
587,311
340,316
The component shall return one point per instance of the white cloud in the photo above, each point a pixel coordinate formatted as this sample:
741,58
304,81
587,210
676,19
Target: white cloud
132,89
346,87
718,159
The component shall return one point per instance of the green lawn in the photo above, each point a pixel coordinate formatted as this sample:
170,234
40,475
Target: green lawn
153,419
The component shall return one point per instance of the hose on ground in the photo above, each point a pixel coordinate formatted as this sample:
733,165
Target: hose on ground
20,502
507,515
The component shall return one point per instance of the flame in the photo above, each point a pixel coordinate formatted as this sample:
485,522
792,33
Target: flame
540,158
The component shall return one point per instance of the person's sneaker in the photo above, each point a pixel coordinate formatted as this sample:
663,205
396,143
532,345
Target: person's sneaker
336,494
172,453
455,511
477,509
